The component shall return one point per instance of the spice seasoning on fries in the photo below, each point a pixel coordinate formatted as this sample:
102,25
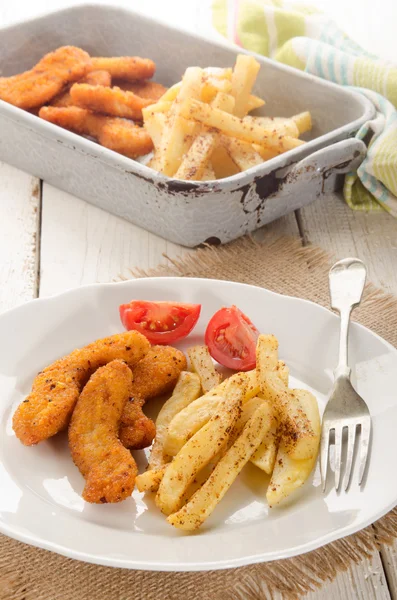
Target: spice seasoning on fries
206,131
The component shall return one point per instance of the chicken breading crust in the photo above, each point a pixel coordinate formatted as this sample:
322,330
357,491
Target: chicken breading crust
107,466
56,389
155,375
39,85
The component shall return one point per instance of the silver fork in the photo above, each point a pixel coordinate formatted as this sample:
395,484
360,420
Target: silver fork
346,410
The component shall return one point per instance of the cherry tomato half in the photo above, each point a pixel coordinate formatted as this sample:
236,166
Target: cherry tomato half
231,339
160,322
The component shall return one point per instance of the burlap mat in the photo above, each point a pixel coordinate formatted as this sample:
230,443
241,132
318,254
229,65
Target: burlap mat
283,266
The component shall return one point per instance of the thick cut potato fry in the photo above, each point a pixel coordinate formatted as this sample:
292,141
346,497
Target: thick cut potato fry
265,153
187,389
212,85
173,143
204,501
242,153
254,102
149,481
201,448
202,364
172,92
222,163
195,161
154,125
235,127
265,456
208,173
244,75
278,125
162,106
303,121
299,438
190,420
290,474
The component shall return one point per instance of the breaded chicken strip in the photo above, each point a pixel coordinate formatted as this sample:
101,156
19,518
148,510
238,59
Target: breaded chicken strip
46,79
145,89
94,78
111,101
119,135
108,467
125,67
155,375
56,389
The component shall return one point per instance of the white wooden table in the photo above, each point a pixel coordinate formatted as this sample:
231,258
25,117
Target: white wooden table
51,241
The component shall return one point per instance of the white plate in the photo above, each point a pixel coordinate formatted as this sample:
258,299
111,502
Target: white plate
40,501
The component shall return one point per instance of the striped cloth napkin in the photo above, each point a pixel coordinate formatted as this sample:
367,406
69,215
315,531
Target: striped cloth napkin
303,37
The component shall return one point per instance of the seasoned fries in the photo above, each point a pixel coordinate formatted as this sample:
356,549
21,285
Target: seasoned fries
186,390
226,139
201,363
203,502
201,448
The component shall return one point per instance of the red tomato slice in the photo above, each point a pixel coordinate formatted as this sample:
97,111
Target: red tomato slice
160,322
231,339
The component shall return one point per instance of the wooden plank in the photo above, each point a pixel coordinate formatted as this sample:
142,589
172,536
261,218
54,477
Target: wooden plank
365,581
331,224
19,242
83,244
389,559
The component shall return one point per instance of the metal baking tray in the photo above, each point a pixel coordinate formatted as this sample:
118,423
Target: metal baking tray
187,213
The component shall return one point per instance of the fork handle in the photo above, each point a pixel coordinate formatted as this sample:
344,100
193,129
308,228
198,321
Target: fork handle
346,285
343,369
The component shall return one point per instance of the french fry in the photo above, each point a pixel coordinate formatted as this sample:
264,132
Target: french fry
265,456
278,125
201,448
290,474
242,153
299,438
162,106
265,153
303,121
202,364
149,481
208,173
204,501
235,127
171,93
191,419
222,163
187,389
244,75
154,125
254,102
195,161
174,144
212,85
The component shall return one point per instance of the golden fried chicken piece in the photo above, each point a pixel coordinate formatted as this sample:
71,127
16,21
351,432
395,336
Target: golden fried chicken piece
119,135
94,78
125,67
56,389
108,467
155,375
112,101
145,89
46,79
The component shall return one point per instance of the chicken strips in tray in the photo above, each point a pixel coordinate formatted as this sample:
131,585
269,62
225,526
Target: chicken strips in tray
105,105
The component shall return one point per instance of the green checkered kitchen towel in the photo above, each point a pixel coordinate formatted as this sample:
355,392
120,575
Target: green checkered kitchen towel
302,37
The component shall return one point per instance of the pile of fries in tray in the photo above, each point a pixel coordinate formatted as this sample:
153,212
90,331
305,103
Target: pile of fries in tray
101,98
201,129
204,441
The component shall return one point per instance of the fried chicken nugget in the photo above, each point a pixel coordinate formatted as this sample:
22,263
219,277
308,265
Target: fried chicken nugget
125,67
145,89
155,375
39,85
55,390
108,467
119,135
94,78
109,101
